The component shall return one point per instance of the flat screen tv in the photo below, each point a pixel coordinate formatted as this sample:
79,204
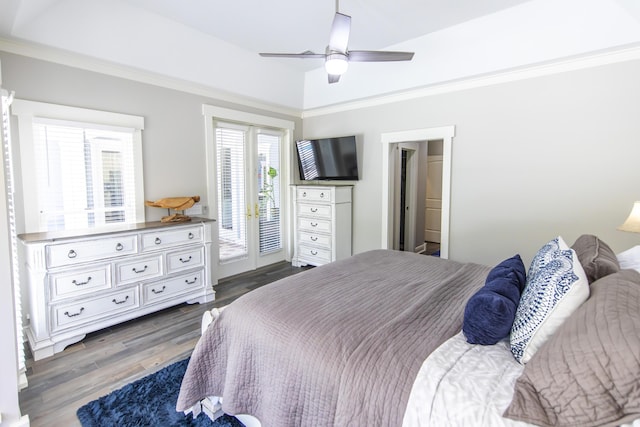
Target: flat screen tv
328,158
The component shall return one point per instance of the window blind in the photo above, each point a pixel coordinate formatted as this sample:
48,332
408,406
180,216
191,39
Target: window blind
85,175
269,224
232,206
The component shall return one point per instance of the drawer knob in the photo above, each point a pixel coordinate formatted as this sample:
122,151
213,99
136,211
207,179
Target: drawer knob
195,279
322,195
304,194
314,210
191,236
139,271
314,252
66,313
120,302
81,283
314,238
119,247
158,292
184,261
314,224
72,254
158,241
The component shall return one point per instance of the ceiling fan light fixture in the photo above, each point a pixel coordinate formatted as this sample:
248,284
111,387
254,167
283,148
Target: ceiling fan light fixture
336,63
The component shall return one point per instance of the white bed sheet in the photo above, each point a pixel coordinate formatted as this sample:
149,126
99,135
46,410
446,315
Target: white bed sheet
462,384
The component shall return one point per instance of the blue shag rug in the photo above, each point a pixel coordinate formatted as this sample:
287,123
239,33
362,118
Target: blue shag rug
149,401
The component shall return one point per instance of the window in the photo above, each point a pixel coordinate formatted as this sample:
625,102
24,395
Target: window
84,167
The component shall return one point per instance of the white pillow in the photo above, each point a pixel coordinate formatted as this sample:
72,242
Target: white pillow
556,286
629,259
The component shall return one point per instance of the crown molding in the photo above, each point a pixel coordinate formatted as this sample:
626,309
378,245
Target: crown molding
59,56
84,62
595,59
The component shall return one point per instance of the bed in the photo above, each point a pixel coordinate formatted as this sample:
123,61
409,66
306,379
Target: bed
381,339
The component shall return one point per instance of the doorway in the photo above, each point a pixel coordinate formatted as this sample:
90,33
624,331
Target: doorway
248,171
405,196
249,197
390,143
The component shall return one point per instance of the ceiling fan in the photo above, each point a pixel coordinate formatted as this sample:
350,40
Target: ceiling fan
337,55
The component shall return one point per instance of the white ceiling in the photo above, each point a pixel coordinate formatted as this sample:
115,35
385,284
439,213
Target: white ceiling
300,25
215,44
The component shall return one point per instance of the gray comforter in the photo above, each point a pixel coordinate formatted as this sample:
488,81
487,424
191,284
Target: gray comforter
337,345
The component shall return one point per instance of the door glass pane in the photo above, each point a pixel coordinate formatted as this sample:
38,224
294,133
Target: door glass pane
232,220
269,192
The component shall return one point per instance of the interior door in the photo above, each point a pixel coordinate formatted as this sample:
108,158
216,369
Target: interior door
433,203
249,190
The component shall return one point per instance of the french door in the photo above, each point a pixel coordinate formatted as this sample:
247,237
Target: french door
249,197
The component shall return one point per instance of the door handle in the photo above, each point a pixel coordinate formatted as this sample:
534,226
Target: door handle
248,211
257,211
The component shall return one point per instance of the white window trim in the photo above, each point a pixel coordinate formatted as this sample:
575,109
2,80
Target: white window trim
26,111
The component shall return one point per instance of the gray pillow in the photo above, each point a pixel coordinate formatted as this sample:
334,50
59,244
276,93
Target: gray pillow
596,257
588,372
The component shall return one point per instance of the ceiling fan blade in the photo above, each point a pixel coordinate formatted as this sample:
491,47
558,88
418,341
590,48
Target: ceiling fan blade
307,54
378,56
339,37
334,78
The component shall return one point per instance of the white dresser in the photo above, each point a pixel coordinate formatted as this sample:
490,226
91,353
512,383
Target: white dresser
82,283
322,224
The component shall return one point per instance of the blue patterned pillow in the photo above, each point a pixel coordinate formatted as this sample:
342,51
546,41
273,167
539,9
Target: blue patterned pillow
556,286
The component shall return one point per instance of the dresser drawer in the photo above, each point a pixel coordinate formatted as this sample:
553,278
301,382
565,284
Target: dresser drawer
316,211
314,194
185,259
314,255
90,250
138,269
80,281
314,239
88,310
315,225
168,238
164,289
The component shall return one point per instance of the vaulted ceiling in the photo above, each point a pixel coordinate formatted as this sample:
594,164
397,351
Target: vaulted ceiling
215,44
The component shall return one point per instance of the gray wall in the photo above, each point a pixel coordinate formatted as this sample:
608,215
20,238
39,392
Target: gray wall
532,159
173,140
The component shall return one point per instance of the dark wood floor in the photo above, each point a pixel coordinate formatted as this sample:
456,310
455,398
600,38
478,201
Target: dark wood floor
108,359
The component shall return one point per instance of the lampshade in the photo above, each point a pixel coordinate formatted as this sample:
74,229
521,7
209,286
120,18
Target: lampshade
336,63
633,221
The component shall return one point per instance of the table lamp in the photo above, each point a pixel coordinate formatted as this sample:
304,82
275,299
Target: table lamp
632,224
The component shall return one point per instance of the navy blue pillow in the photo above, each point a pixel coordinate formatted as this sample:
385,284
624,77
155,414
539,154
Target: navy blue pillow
512,265
489,313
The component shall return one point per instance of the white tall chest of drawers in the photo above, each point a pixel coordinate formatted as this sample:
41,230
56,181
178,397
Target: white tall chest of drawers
322,224
82,283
